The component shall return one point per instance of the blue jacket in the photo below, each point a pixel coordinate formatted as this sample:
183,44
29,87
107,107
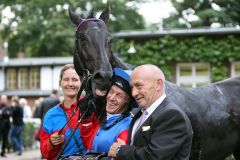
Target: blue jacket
105,138
53,122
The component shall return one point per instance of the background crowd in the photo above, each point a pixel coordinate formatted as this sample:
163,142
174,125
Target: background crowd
14,114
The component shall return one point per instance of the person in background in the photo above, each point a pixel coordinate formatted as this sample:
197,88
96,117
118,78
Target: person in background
52,136
17,125
48,103
37,114
27,112
118,105
5,114
160,130
37,106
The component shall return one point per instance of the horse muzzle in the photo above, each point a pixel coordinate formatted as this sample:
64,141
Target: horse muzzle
101,82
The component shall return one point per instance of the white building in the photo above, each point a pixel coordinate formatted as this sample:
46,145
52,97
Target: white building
31,78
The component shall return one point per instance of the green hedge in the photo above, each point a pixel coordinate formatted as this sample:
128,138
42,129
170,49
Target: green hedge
166,51
28,135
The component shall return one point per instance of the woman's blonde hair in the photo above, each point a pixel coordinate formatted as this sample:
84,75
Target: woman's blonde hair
66,67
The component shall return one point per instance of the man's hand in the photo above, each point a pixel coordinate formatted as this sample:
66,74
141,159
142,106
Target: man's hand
56,139
115,147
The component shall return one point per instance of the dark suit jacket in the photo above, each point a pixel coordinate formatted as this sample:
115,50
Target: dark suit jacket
47,104
165,135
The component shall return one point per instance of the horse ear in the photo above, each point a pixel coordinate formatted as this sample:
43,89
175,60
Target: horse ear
74,18
105,14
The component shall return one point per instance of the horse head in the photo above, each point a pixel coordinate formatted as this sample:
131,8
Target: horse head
93,50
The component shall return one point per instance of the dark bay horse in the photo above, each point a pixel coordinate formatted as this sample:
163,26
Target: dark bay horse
214,110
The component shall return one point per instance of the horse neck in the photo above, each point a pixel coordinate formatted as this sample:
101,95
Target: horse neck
117,62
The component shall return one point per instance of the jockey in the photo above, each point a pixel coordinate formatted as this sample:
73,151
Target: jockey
116,123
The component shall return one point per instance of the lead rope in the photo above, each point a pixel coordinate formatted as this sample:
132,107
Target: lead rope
74,136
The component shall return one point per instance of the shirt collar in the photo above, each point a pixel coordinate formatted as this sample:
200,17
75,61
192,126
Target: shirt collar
72,107
109,115
155,104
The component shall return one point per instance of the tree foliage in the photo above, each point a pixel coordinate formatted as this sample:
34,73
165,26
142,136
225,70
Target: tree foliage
44,28
204,13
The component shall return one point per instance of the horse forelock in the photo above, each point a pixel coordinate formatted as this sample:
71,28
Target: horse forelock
91,14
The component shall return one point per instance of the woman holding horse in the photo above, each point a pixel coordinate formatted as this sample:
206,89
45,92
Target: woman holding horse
61,120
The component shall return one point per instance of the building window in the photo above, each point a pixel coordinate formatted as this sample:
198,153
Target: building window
235,69
193,74
35,78
23,78
11,78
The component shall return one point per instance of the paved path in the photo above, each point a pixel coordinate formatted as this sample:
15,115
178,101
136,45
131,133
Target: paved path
26,155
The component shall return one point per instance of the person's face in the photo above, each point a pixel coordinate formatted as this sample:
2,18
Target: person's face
13,103
70,83
4,100
117,100
144,89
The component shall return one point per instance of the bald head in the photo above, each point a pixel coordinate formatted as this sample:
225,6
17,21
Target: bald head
150,70
147,83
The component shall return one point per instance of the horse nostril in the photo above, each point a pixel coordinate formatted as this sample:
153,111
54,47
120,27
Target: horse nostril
102,79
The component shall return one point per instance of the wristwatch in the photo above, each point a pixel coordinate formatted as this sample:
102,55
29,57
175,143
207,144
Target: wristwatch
117,150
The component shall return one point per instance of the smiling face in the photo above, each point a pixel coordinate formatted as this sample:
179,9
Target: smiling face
70,83
117,100
147,87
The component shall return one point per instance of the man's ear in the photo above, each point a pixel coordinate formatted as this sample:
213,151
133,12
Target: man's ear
159,84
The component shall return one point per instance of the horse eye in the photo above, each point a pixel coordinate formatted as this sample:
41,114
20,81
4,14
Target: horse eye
82,39
109,40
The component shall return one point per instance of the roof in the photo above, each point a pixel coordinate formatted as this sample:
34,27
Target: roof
26,93
178,32
38,61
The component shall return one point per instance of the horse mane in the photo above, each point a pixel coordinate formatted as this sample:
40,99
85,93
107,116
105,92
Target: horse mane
118,62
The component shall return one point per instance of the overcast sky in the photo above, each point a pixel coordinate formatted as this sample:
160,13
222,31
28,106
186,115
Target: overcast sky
154,11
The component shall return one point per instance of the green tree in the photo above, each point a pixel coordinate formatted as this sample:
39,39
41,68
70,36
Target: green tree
44,28
203,13
230,12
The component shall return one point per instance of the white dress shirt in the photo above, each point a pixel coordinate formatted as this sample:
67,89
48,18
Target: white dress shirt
148,111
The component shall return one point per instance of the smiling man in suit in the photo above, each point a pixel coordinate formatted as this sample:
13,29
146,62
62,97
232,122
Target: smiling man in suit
160,130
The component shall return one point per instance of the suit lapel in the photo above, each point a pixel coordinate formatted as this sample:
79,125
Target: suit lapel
148,121
161,107
137,115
